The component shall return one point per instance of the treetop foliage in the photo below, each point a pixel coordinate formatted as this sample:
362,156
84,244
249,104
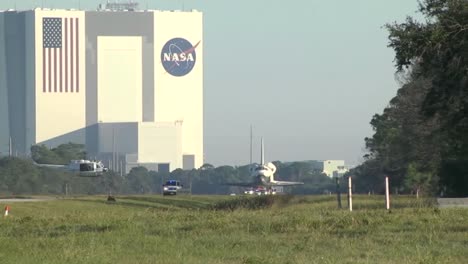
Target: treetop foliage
423,133
61,155
21,176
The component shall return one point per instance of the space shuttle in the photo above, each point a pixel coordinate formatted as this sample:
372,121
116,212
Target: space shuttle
263,174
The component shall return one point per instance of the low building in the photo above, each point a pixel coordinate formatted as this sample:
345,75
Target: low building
334,168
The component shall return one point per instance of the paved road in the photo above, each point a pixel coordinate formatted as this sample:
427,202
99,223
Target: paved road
443,202
452,202
18,200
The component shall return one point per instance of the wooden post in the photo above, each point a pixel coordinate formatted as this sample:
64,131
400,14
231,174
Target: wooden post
338,194
350,194
387,194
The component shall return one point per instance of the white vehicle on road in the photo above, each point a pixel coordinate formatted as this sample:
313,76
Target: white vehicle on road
171,187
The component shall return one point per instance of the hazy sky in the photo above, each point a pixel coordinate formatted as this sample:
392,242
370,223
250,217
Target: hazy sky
307,74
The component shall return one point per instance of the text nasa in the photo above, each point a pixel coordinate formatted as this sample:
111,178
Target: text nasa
176,57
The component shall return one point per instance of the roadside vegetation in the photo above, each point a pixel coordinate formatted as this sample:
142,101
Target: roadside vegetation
226,229
420,139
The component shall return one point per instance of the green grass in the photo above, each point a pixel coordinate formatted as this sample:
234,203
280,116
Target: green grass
223,229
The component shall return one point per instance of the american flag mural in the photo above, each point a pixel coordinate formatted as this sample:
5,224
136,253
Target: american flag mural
60,57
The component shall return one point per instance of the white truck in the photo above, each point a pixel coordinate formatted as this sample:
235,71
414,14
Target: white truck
171,187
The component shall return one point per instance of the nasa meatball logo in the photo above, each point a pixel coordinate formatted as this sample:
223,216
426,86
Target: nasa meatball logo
178,56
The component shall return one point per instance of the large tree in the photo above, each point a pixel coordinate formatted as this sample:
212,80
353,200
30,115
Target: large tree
437,49
422,136
403,135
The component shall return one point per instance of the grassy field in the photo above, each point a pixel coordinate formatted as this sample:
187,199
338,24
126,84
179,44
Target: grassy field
223,229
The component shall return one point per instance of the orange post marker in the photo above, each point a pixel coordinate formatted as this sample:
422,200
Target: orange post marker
7,209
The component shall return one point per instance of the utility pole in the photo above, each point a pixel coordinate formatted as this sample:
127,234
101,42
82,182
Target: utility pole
10,148
113,149
117,164
251,135
190,182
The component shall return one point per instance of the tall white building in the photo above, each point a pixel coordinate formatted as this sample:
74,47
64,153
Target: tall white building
127,84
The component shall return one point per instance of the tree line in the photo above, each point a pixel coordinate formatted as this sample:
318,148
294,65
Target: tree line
421,139
21,176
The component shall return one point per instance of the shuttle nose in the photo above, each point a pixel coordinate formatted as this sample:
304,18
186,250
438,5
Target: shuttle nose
265,179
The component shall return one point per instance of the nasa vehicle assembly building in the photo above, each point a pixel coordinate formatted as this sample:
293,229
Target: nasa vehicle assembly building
127,84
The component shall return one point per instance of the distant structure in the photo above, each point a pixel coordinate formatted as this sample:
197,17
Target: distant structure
127,83
334,168
119,6
331,168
